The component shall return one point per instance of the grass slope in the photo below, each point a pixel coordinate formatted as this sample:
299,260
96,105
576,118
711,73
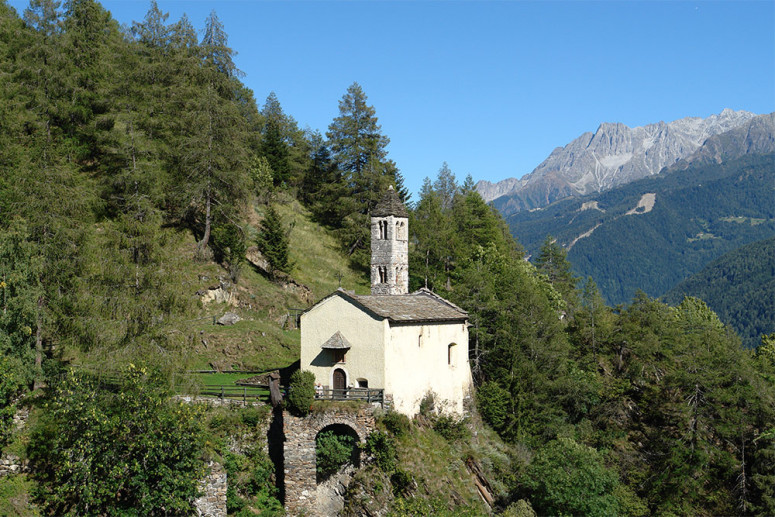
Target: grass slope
263,339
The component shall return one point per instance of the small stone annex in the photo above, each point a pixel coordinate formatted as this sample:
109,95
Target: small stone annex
407,344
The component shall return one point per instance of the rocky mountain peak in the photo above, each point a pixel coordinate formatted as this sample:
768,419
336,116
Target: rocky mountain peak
613,155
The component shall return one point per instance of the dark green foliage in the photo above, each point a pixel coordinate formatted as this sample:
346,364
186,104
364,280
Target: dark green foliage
273,241
383,449
553,262
493,403
451,428
229,245
567,478
402,482
99,451
345,187
739,287
251,477
12,384
301,392
396,423
332,451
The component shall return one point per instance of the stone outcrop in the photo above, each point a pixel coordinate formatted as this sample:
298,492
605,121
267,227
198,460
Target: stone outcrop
230,318
12,464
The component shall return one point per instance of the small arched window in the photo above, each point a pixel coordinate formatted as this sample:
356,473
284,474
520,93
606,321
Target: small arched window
451,354
382,229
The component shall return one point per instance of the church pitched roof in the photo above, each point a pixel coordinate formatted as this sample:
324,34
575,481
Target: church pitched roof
418,307
390,204
337,342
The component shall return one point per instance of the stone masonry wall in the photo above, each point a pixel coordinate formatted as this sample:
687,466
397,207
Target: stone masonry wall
212,503
10,463
300,434
213,500
391,253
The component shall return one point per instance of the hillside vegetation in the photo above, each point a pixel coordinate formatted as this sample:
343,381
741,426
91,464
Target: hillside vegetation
137,175
739,287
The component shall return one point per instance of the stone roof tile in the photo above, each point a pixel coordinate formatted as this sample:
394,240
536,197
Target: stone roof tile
390,204
422,305
337,342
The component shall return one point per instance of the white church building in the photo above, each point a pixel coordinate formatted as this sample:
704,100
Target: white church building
407,344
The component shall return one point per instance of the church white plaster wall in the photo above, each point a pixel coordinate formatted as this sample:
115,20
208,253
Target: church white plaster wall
416,362
366,358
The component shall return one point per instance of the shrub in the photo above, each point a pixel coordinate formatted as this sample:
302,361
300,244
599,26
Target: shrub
253,415
128,451
301,392
428,404
450,428
568,478
383,449
396,423
402,483
493,401
332,451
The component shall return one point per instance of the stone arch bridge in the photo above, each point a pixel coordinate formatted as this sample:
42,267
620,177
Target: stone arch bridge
299,450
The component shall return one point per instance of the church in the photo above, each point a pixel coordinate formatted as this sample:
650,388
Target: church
407,344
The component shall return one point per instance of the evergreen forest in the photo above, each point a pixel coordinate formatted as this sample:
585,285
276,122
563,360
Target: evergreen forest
739,287
138,174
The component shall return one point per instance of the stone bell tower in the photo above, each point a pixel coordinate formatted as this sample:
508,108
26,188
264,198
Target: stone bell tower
390,246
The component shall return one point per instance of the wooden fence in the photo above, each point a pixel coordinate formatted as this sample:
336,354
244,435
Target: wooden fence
230,391
368,395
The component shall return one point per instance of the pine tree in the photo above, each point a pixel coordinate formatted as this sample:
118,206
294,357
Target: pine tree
212,151
355,137
273,241
553,262
358,149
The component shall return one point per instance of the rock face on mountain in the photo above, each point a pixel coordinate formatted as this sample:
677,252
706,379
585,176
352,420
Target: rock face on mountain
757,136
613,155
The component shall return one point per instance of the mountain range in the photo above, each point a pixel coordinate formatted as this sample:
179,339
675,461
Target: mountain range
613,155
654,232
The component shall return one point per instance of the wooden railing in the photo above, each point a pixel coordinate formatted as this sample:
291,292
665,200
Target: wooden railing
366,394
230,391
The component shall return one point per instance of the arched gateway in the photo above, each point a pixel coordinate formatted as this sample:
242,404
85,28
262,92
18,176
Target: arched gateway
299,450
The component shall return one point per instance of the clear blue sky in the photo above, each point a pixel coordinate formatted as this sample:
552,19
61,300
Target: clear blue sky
492,87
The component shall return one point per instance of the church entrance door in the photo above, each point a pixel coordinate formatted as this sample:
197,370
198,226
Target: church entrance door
339,379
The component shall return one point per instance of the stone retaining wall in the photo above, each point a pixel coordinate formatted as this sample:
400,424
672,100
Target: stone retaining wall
213,500
10,464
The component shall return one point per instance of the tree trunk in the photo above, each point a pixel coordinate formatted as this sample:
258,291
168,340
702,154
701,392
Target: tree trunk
38,347
208,219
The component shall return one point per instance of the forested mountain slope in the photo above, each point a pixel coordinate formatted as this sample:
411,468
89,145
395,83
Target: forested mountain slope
740,287
653,233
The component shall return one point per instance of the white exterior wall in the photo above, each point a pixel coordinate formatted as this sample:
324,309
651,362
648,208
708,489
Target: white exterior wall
366,358
416,362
